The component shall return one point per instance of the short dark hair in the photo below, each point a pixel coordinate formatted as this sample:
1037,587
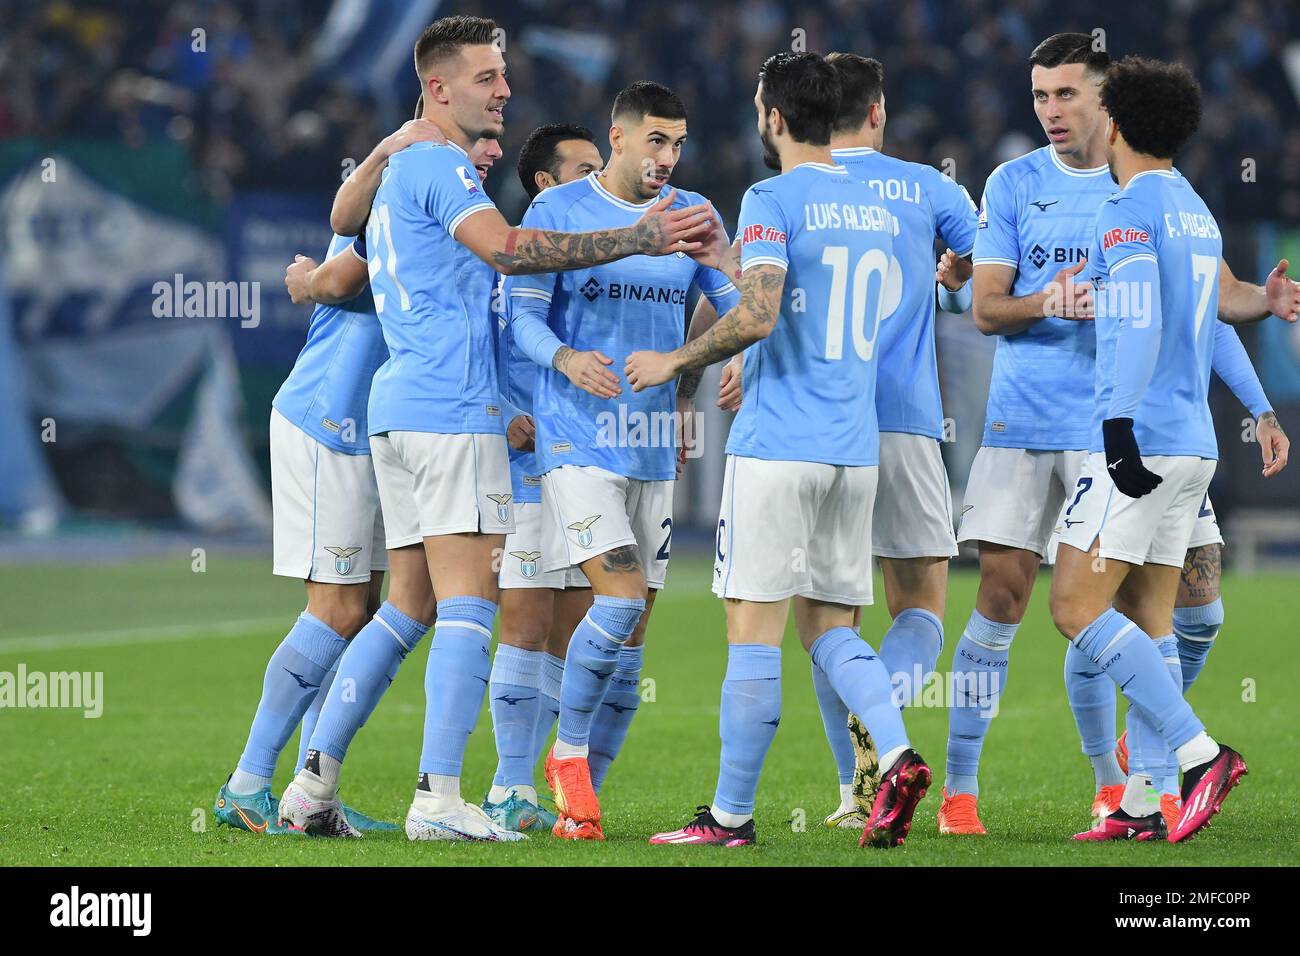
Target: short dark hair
1156,105
862,83
1062,48
806,90
539,152
443,38
647,98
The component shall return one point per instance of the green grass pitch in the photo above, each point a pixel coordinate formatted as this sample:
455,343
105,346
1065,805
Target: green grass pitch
183,653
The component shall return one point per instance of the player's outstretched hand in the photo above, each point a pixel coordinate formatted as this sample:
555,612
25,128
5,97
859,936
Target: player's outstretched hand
715,251
664,230
411,132
729,387
1273,443
648,369
295,279
588,371
521,433
952,270
1068,299
1283,293
1124,459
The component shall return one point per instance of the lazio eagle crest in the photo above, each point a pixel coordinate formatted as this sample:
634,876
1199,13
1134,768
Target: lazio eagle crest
583,528
343,559
503,507
527,562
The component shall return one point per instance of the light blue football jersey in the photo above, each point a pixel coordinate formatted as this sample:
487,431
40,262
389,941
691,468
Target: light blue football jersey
517,375
810,386
1156,254
622,307
1037,216
441,371
927,205
328,388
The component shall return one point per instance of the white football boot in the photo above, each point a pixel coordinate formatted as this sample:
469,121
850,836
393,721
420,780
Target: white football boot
312,805
430,819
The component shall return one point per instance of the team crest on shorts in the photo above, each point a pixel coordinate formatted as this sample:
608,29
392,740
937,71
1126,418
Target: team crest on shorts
503,507
527,562
343,558
583,528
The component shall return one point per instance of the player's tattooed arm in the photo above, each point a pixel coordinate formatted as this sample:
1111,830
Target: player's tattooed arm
1243,302
703,319
753,319
352,201
1274,446
510,250
1202,569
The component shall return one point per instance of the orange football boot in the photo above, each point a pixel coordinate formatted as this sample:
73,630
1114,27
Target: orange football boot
1107,801
570,781
959,815
1171,808
1121,752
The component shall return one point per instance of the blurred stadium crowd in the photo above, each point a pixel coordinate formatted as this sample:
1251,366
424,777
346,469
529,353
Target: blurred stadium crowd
263,105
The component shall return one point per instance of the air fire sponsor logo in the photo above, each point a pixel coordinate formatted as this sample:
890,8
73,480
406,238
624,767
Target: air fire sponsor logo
75,908
1115,237
757,233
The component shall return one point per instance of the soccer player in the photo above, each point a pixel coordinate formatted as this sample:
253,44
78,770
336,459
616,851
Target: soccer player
1032,241
328,531
539,608
803,451
1156,253
912,526
607,469
436,435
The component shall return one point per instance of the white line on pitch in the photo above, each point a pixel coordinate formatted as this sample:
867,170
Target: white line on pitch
138,635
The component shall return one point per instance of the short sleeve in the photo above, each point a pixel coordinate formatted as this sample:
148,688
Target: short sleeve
955,217
1124,235
448,189
997,234
764,230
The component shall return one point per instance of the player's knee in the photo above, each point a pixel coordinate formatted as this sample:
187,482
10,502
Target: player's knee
343,611
1004,599
527,631
1070,614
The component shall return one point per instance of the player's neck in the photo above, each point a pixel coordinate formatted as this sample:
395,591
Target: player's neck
1129,164
615,181
1091,156
796,154
859,139
451,129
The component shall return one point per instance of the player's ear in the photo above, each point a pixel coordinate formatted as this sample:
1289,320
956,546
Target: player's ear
615,140
544,180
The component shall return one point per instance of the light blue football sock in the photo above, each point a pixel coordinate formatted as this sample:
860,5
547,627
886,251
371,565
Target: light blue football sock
293,676
592,658
979,676
747,722
312,715
1092,702
515,702
1163,765
1196,628
858,675
455,680
365,671
549,713
1130,658
610,726
910,650
835,721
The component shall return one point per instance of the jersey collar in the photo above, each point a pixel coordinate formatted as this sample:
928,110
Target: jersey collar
603,193
824,167
1070,170
1167,173
852,151
456,147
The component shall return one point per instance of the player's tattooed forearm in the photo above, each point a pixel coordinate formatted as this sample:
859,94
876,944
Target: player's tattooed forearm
751,320
1269,418
542,250
622,560
561,359
688,383
1202,570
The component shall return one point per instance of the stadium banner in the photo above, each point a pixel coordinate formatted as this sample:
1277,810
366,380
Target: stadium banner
122,316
